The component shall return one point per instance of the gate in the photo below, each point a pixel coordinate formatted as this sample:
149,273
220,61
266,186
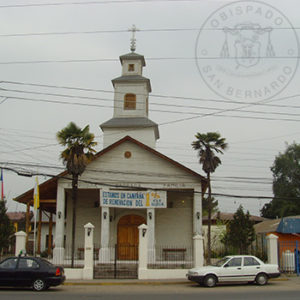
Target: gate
122,263
289,256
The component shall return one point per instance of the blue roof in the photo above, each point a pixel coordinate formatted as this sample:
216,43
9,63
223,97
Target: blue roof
289,225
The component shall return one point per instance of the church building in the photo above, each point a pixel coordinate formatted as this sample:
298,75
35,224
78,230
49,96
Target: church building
128,183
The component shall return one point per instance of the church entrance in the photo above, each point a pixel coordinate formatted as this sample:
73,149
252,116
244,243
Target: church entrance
128,237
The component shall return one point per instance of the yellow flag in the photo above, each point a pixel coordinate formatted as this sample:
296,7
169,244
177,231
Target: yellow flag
36,195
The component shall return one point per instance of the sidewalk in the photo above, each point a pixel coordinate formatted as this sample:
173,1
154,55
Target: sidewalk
283,277
127,282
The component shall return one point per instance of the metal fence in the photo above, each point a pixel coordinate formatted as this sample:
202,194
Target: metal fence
78,257
257,249
289,256
170,257
10,251
118,262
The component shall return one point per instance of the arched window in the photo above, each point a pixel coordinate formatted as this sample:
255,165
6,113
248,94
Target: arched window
130,101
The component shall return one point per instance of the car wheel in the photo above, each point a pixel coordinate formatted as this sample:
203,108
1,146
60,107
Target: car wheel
210,280
261,279
39,285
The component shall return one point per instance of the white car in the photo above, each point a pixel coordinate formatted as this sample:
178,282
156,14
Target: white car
237,268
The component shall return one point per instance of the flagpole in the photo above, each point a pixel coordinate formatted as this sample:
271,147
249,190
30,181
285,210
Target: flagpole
34,231
2,186
36,205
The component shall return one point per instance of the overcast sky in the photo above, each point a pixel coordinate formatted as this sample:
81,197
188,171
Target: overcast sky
244,82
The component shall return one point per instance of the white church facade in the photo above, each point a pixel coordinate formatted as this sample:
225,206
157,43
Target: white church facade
129,183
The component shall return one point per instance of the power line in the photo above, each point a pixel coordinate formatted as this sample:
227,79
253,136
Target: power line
235,179
148,59
26,34
162,96
147,187
90,3
198,115
156,104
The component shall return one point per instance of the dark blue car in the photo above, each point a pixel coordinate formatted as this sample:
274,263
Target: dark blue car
29,271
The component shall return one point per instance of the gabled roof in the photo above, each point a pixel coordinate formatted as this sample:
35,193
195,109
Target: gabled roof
131,123
132,79
289,225
18,216
49,187
284,225
133,56
224,216
153,151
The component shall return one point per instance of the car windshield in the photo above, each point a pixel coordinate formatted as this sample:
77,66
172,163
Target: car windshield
221,262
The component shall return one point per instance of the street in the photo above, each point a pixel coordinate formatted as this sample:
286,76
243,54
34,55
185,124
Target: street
289,289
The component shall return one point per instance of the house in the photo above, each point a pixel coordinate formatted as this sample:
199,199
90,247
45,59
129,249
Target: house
287,230
42,229
218,228
128,183
18,219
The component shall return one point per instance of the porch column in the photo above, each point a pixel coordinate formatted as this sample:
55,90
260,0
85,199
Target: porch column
197,211
151,233
50,241
104,248
27,225
198,251
59,250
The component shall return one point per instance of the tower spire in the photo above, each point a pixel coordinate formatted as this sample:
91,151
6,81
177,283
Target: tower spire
133,29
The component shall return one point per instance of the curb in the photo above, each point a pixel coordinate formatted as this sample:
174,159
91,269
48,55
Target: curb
127,283
93,283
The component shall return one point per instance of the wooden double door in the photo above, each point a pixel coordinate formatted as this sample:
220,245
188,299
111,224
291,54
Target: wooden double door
128,237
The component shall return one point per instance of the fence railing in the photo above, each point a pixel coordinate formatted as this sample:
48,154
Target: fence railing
259,251
78,257
170,257
117,261
289,256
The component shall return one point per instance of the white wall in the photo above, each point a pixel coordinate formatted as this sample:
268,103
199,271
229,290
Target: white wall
113,167
86,212
144,135
174,226
141,92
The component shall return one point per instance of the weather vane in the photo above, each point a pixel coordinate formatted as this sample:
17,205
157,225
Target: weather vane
133,39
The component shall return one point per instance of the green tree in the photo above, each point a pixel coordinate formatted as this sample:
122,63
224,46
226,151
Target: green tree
240,231
286,184
207,144
78,153
206,204
6,228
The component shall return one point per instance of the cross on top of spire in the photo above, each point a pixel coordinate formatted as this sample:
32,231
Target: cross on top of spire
133,29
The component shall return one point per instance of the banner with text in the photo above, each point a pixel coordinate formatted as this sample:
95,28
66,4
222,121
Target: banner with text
134,199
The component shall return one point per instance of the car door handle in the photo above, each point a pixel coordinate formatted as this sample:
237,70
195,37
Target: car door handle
239,268
257,267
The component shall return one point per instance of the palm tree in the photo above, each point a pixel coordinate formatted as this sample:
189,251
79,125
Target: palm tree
76,156
207,145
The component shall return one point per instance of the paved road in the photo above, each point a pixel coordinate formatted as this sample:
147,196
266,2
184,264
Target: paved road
281,290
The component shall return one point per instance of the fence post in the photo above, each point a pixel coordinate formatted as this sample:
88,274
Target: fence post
143,251
297,258
20,242
272,247
88,251
198,250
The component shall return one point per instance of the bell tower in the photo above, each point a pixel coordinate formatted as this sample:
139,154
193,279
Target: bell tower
131,106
